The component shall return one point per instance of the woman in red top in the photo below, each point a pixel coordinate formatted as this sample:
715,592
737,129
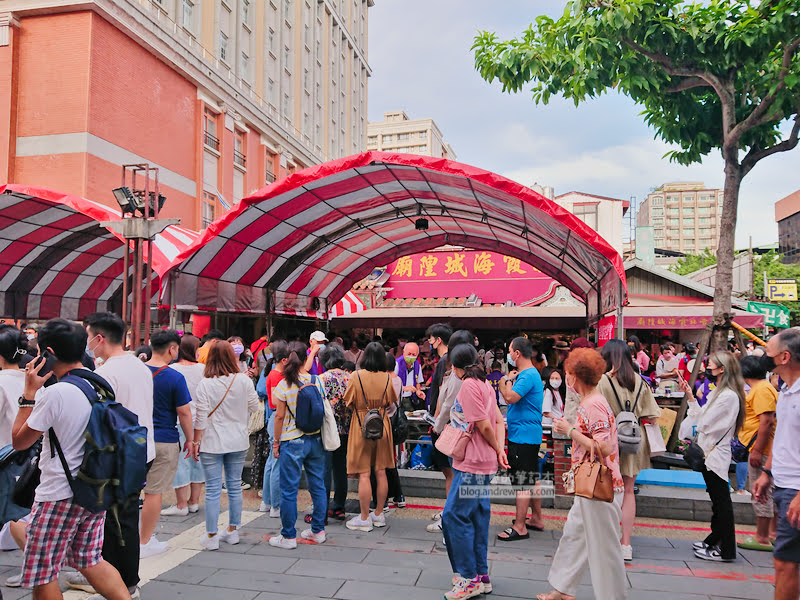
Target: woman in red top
271,492
592,531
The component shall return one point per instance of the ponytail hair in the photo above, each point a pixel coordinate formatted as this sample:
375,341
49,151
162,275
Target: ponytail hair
465,357
297,359
13,345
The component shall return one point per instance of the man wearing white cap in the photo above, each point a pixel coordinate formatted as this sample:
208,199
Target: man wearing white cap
316,342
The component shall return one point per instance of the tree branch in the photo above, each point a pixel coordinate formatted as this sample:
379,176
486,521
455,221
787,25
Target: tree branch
759,115
756,154
687,84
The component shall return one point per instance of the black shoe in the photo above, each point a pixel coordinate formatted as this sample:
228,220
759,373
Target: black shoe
400,501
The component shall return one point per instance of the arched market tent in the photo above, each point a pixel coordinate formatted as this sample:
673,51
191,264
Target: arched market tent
56,260
298,245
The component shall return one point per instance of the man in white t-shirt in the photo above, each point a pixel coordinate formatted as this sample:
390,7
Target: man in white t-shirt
60,532
782,466
133,388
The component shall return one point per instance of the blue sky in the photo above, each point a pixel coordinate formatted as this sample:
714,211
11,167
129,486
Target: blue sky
420,55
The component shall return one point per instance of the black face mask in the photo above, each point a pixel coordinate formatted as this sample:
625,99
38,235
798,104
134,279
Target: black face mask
710,376
768,362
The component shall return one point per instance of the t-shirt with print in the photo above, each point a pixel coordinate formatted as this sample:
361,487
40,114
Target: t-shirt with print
494,380
334,382
287,392
133,388
273,379
65,408
596,420
762,398
170,392
475,402
525,415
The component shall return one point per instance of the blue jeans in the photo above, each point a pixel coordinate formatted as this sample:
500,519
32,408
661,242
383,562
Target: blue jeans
741,475
465,524
212,468
304,452
271,488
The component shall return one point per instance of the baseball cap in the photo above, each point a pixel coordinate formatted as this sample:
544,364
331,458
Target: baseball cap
318,336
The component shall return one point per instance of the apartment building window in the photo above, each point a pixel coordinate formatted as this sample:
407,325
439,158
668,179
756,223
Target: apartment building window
372,139
704,220
688,231
239,150
704,231
704,210
658,201
286,59
223,46
188,7
688,222
423,135
423,149
271,91
307,36
672,198
673,233
244,66
658,222
688,198
210,130
318,94
657,212
706,242
271,41
246,12
286,109
587,213
287,10
306,80
270,167
209,208
318,51
402,137
673,222
688,211
388,139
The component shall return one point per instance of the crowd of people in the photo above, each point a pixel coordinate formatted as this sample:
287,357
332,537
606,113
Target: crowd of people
331,407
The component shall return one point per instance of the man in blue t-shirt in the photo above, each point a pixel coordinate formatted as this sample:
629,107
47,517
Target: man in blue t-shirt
522,389
170,404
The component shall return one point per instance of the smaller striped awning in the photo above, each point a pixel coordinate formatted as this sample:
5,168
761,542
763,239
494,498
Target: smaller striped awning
56,260
349,305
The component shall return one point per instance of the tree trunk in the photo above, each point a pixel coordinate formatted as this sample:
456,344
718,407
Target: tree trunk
727,241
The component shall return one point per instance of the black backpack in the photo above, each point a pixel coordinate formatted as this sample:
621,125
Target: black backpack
372,425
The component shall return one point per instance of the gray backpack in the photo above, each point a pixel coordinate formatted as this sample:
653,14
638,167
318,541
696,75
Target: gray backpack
629,432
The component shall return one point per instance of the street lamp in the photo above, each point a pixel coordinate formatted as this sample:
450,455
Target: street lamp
126,199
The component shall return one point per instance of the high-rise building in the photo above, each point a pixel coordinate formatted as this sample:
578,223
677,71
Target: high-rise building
398,133
605,215
222,96
685,216
787,215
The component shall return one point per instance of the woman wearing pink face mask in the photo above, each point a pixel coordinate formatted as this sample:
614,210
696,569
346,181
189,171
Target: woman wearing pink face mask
242,355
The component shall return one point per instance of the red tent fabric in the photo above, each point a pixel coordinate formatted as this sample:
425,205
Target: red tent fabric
56,260
309,237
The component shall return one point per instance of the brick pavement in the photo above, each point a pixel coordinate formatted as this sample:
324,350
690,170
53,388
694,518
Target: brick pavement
402,562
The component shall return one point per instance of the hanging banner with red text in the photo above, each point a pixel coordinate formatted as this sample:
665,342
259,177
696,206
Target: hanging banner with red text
606,329
491,276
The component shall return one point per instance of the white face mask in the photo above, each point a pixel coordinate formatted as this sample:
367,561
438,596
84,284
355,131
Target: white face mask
31,336
555,383
238,349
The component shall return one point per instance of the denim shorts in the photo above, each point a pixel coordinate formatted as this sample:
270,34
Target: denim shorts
787,542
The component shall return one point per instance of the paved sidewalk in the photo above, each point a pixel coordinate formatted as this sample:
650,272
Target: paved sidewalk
404,562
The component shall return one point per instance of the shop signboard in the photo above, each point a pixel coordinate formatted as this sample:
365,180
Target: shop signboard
606,329
775,315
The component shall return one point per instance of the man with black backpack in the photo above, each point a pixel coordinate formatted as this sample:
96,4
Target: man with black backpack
62,531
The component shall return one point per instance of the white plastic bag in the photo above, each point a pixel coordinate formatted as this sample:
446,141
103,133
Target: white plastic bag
655,439
330,434
688,428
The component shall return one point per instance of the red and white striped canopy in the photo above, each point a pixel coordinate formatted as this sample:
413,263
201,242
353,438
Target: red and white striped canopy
56,260
349,305
308,238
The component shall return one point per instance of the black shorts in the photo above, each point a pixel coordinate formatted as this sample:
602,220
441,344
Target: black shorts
523,460
439,461
787,543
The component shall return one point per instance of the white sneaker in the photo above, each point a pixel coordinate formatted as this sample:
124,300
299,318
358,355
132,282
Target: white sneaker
246,486
193,508
281,542
435,527
231,537
259,493
378,521
437,517
210,542
77,581
174,511
263,507
627,553
274,512
317,538
152,547
356,524
14,580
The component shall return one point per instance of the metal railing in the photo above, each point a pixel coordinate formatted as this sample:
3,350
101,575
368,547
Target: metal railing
210,141
240,159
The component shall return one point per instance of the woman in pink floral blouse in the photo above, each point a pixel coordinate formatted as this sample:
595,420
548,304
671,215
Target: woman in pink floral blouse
592,531
334,382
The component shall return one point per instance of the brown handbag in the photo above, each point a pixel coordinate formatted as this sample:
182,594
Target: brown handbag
593,479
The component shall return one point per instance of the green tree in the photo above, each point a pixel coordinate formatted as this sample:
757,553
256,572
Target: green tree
714,75
693,262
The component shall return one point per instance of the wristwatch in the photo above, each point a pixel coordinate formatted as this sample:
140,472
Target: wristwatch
768,472
23,401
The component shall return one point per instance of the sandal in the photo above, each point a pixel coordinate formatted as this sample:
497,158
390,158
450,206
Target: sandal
750,543
528,525
337,514
307,518
549,596
512,535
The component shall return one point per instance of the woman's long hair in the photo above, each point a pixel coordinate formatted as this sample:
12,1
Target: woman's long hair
188,348
298,352
221,360
619,361
730,379
464,356
280,350
562,389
